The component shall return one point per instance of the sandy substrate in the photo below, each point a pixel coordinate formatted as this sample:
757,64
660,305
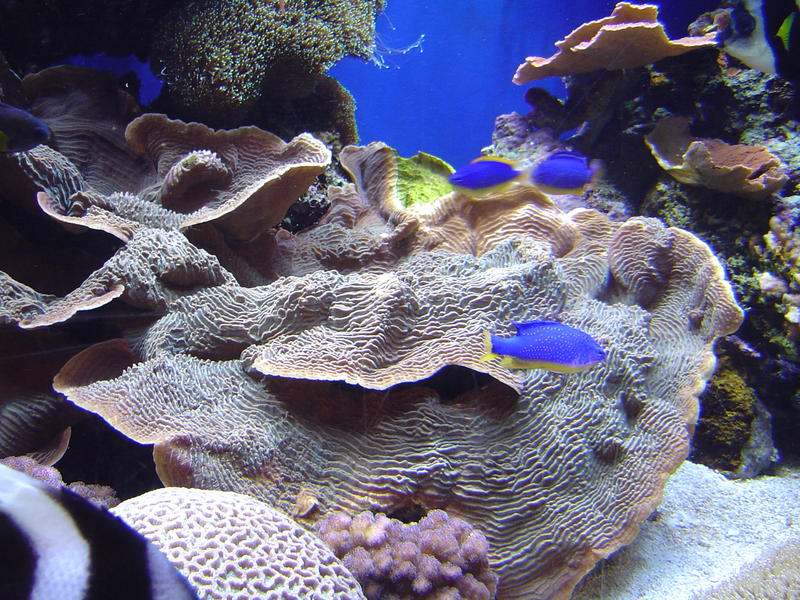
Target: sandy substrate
707,530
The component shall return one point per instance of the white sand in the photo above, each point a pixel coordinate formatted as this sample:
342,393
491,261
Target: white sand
706,529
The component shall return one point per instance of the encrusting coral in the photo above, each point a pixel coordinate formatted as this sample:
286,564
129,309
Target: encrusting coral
239,378
438,557
739,169
630,37
233,547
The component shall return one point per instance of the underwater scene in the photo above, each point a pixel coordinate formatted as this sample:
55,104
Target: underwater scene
399,300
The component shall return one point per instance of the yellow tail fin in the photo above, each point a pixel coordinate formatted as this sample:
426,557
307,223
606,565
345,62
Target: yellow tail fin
487,347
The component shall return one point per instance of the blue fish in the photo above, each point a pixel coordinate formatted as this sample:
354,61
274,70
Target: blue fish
486,175
546,345
564,172
58,545
20,130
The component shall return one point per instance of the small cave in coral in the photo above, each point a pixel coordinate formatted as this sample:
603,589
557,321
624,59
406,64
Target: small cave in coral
353,407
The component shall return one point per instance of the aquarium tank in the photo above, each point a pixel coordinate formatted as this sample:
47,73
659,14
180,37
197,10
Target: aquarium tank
399,300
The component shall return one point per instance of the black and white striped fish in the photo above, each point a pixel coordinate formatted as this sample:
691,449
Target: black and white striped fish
763,34
54,545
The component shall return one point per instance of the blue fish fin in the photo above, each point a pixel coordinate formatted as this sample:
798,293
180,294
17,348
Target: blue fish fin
527,327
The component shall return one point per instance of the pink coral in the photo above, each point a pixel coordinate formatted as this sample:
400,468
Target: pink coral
438,557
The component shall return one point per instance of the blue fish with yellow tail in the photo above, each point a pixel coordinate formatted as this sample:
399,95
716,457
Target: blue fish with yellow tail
20,130
546,345
486,175
565,172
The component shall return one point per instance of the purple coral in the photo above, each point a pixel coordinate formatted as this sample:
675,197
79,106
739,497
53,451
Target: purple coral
440,557
100,495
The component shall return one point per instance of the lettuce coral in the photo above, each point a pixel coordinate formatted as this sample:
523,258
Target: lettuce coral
631,37
739,169
242,376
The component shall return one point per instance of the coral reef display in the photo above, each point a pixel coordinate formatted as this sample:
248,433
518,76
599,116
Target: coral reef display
296,323
437,557
244,364
231,546
753,232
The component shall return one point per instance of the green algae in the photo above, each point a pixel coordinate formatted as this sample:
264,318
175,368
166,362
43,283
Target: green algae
421,179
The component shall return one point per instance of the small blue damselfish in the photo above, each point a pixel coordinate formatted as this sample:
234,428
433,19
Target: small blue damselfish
20,130
564,172
546,345
485,175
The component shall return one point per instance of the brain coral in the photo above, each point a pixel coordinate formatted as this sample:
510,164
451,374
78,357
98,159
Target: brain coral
219,56
244,377
232,547
438,557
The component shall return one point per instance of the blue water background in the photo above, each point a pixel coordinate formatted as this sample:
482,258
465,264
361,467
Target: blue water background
443,97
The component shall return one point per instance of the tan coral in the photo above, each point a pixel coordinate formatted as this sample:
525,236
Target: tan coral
231,546
242,388
244,179
630,37
748,171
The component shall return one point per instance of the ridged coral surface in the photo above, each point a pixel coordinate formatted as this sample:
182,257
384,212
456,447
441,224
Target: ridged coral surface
630,37
242,376
557,475
232,547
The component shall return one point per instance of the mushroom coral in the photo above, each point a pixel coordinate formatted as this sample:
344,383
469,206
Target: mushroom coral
630,37
338,368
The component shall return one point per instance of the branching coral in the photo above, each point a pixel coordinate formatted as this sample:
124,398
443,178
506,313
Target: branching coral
99,495
438,557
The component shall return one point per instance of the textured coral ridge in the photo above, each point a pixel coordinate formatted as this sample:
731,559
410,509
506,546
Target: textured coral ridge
439,557
630,37
232,547
556,476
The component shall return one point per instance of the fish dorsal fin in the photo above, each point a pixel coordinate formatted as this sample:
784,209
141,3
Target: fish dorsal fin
785,30
499,159
567,154
530,326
